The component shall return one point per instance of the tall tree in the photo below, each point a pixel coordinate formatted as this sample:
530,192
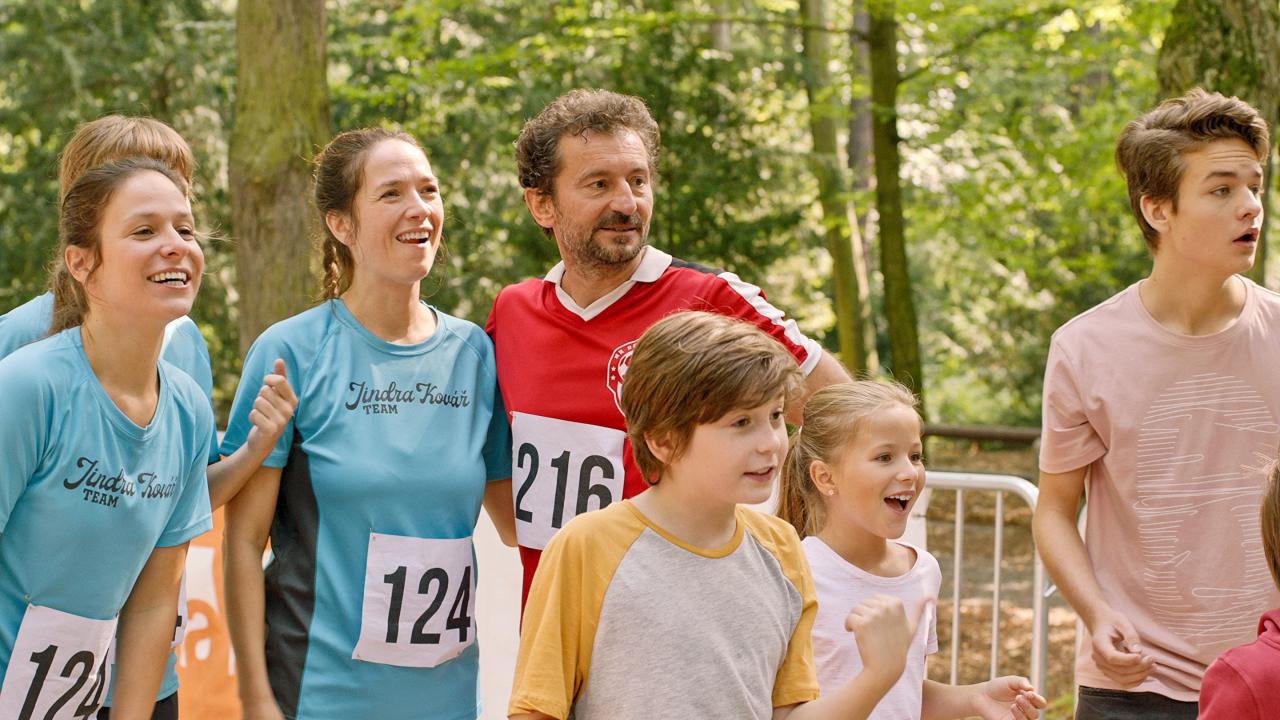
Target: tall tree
281,119
854,328
1227,46
900,309
858,147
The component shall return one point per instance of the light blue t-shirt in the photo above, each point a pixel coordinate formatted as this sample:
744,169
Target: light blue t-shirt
387,440
184,347
86,494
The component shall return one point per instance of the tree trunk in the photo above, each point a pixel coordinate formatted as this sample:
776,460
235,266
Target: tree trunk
720,38
859,147
281,120
1228,46
840,229
904,345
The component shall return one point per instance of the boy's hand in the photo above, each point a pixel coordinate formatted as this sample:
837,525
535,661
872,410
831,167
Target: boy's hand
1117,651
271,410
883,631
1007,698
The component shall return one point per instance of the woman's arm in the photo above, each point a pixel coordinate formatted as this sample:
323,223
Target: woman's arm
272,409
249,516
145,632
501,510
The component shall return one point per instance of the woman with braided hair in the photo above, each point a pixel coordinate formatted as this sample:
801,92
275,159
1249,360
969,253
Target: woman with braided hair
371,496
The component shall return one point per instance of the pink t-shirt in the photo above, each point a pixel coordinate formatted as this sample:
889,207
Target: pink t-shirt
1176,431
841,586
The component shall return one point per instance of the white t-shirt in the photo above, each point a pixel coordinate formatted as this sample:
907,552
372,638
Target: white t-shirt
841,586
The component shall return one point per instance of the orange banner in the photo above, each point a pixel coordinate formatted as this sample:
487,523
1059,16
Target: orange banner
206,663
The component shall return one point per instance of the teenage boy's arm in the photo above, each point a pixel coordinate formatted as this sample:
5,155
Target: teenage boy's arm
883,632
1004,698
1116,648
828,371
271,412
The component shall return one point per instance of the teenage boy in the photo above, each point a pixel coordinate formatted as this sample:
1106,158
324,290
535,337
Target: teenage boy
1244,682
680,603
1160,402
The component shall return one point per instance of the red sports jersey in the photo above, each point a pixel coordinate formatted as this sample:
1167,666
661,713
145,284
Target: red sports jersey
560,370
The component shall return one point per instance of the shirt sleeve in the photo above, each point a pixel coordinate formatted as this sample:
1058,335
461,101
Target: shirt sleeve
1225,694
932,586
191,514
797,678
258,363
497,444
735,297
187,350
556,634
1068,441
24,435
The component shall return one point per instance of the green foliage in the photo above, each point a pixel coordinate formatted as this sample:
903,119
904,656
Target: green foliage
1016,212
65,63
731,169
1015,217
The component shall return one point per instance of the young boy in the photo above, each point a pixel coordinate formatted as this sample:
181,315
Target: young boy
1165,397
679,602
1246,679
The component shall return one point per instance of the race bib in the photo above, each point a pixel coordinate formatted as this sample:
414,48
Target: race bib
180,627
561,469
59,667
419,601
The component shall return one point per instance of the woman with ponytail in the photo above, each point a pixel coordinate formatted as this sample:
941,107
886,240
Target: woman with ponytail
371,495
115,137
103,482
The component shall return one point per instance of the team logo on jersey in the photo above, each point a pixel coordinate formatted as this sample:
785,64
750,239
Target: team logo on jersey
388,400
104,487
618,364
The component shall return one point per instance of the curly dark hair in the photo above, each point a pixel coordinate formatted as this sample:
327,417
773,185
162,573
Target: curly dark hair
574,113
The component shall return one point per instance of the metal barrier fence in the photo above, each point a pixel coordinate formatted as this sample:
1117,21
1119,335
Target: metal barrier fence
961,483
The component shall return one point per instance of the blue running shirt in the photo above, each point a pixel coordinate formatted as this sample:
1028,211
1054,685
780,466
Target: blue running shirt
86,494
184,347
384,467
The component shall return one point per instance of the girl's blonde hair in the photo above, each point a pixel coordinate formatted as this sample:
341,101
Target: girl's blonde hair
112,137
831,418
1270,522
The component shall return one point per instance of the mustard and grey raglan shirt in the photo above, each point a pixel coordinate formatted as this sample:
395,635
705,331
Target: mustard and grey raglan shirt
625,621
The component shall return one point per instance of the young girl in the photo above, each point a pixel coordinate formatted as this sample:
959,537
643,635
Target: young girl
851,477
103,480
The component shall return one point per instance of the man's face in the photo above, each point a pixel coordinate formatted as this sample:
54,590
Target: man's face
1219,214
602,199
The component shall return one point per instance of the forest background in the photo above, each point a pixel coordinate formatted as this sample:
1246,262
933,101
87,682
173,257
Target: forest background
927,185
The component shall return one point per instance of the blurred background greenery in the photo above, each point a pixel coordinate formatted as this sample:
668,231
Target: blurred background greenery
1011,216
